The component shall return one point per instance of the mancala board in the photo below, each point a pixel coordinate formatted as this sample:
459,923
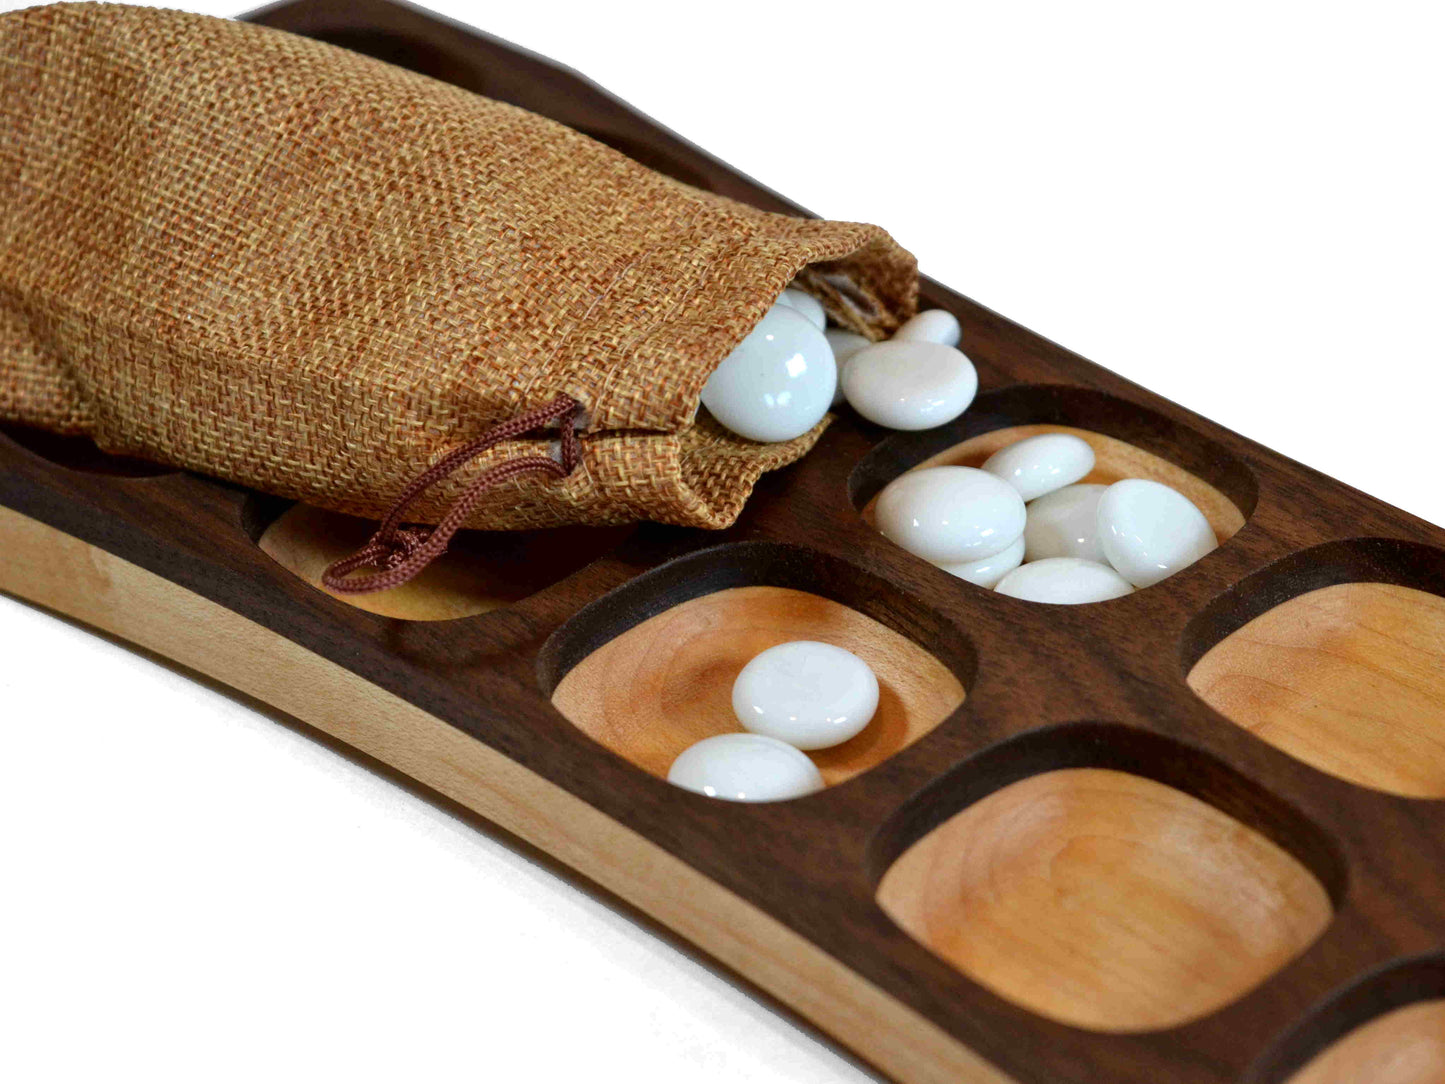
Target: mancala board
1192,835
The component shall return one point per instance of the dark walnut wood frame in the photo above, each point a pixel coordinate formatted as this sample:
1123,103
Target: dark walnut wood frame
785,894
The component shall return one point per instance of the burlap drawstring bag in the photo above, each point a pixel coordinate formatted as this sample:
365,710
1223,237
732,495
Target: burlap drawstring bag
274,261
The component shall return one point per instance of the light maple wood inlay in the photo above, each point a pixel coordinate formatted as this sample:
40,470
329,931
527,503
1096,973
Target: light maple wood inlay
1406,1046
482,570
1114,460
1350,679
88,584
667,683
1105,900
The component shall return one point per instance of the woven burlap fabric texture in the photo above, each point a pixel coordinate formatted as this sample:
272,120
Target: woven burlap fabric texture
268,259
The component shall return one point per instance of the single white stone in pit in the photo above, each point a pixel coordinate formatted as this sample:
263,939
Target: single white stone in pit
1149,531
910,385
931,326
806,304
777,383
845,344
1065,523
950,515
1041,464
1064,580
809,694
987,571
745,768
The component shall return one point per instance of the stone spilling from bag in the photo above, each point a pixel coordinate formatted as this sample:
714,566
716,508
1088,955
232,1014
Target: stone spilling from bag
909,384
1027,526
845,344
806,304
780,380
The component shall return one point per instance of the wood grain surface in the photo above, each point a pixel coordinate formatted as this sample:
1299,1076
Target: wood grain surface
116,597
1349,678
1406,1046
1104,900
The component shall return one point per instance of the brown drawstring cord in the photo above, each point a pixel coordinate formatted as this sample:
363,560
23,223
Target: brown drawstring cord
400,553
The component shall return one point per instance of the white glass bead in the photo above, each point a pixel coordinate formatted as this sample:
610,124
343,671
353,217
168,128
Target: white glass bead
1039,465
1064,580
845,344
745,768
807,305
931,326
987,571
1065,523
809,694
910,385
1150,531
777,383
949,515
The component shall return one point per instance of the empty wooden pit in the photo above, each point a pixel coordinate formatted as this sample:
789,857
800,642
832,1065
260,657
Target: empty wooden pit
1349,678
1105,900
480,572
1406,1046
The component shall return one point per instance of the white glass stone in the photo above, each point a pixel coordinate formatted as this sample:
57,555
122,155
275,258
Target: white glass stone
845,344
1065,523
809,694
806,304
950,515
931,326
1149,531
777,383
1064,580
1041,464
745,768
910,385
987,571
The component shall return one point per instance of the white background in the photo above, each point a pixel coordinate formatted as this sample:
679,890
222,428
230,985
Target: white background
1238,205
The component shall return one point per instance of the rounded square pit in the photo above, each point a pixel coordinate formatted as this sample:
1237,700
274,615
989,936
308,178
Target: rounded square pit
1386,1028
1404,1046
1337,657
480,572
648,670
1102,898
1128,441
1114,460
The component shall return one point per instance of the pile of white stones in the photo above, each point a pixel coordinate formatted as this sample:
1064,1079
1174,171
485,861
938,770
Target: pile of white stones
780,380
1024,526
800,695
